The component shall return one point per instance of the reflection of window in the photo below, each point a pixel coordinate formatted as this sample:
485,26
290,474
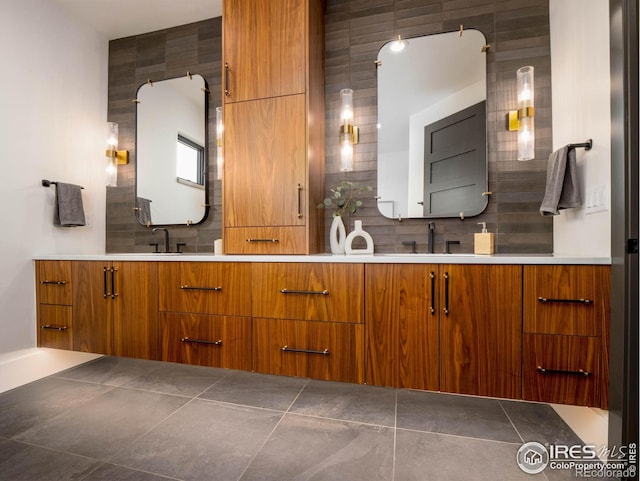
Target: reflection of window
190,166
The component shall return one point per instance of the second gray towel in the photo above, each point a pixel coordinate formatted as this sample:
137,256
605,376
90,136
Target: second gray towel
562,188
69,211
144,211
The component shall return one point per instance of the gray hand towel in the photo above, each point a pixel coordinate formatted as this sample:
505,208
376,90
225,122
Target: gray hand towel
143,213
562,189
69,211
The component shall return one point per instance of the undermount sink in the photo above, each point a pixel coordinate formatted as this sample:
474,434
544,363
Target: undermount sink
424,254
150,254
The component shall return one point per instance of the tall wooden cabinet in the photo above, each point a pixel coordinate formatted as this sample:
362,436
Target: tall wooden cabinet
274,126
454,328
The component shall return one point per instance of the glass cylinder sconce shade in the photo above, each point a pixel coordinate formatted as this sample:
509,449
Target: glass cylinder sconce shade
348,132
526,113
219,130
111,154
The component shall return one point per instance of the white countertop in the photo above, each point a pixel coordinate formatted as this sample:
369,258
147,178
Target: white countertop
533,259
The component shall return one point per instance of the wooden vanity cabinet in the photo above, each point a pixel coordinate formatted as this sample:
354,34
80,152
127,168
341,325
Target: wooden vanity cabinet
308,320
53,290
274,126
115,308
456,328
205,310
566,334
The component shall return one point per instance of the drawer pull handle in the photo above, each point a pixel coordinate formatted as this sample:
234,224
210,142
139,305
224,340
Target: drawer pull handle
545,300
274,241
226,79
432,308
54,328
446,294
200,341
56,283
197,288
324,352
579,372
316,293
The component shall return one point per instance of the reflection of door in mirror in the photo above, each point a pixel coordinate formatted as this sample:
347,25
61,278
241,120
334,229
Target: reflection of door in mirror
171,170
434,78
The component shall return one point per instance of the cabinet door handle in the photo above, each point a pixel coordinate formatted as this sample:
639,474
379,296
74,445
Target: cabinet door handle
226,79
114,294
197,288
201,341
54,328
446,293
299,188
104,283
432,275
579,372
57,283
275,241
324,292
545,300
324,352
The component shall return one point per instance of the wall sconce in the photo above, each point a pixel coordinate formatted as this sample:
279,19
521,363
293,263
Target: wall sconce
348,132
522,119
115,157
398,45
219,130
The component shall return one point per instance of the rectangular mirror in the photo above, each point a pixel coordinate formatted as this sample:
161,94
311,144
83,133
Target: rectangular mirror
171,151
432,149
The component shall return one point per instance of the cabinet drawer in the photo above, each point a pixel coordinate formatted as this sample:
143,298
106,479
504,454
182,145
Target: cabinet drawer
320,350
55,327
53,280
205,287
310,291
265,240
218,341
571,300
562,369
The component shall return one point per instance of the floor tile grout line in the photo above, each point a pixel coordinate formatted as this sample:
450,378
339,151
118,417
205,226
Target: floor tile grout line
460,436
395,438
511,421
348,421
164,476
272,431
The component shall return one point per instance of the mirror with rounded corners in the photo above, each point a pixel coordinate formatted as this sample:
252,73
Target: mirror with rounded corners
432,150
171,151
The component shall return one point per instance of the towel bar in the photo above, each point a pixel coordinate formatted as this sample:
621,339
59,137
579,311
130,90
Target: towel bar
587,145
47,183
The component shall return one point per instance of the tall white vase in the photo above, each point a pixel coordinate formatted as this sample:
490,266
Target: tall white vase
358,231
337,235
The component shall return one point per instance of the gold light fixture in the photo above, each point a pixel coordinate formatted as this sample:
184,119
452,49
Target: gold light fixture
522,119
219,130
398,45
114,156
348,131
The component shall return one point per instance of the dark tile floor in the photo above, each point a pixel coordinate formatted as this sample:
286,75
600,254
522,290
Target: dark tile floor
118,419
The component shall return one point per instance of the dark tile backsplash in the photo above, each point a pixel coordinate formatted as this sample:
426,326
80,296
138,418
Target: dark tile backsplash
518,32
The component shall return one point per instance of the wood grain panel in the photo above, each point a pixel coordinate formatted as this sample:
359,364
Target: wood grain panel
135,310
344,345
55,327
234,351
234,279
265,159
92,327
257,33
481,336
290,240
53,282
565,353
566,282
343,283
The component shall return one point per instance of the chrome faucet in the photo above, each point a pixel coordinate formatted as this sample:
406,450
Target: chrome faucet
432,230
167,247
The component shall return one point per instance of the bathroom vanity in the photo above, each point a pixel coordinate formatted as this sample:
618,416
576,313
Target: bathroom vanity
519,327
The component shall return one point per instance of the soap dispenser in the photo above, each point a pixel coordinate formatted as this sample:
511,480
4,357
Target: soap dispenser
483,241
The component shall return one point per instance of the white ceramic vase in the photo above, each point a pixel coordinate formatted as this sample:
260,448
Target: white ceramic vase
358,231
337,235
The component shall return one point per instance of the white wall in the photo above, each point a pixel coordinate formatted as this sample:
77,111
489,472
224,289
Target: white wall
53,98
581,110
